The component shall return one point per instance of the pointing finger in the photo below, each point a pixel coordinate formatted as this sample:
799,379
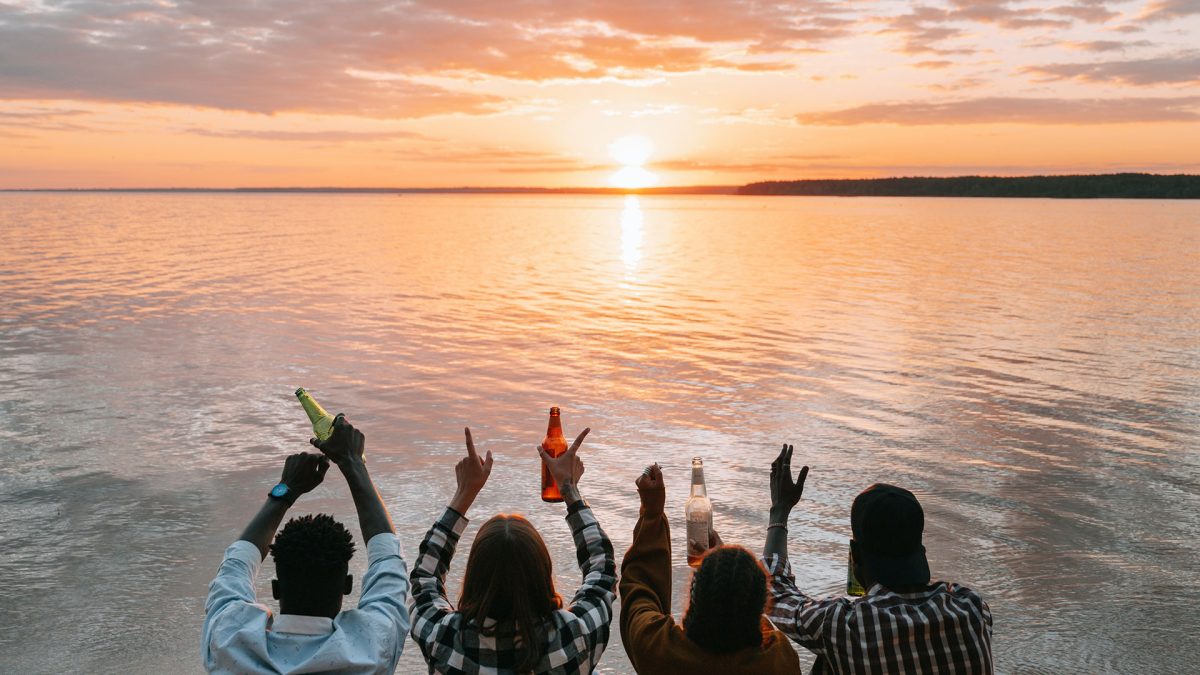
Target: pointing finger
545,455
470,444
578,441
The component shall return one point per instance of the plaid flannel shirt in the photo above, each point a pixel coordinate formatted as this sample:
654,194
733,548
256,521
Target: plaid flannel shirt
574,638
946,628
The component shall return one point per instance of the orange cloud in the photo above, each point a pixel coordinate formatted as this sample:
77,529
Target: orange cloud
998,110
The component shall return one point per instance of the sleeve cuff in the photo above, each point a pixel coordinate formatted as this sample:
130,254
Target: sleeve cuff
246,552
453,521
382,545
776,567
577,506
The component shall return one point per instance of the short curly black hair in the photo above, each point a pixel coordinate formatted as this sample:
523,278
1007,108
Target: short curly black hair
312,545
729,594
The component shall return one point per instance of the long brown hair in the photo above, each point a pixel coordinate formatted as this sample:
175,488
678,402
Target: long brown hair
509,580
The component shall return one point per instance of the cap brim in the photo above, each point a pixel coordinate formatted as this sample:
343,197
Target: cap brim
909,570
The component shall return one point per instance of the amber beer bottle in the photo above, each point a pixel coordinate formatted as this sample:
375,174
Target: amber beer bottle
698,514
555,445
322,422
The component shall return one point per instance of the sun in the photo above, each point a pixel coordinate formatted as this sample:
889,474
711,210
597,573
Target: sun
632,152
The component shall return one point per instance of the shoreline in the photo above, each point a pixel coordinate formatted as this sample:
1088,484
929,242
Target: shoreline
1082,186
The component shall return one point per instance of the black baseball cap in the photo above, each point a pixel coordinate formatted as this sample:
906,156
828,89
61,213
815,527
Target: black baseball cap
887,522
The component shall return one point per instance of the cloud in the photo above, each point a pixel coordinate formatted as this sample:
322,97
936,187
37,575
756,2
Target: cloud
933,65
25,117
375,57
764,166
1000,110
1179,69
1105,45
331,136
1166,10
1090,12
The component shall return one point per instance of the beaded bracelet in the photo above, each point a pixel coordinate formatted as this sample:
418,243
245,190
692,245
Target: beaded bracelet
783,525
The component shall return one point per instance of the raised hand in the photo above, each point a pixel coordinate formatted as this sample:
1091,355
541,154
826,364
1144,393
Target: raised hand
651,490
785,493
304,471
567,468
345,445
472,474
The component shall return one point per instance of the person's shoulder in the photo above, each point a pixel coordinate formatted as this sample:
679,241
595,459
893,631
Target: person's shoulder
961,593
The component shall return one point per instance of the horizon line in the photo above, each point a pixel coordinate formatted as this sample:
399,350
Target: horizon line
484,189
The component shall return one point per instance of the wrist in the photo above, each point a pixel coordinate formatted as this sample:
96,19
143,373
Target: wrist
569,491
652,506
651,510
461,502
780,514
350,463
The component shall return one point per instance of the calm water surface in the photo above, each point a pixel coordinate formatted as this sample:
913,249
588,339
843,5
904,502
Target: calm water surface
1031,369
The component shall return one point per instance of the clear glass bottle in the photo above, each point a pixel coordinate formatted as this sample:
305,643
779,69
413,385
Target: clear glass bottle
698,513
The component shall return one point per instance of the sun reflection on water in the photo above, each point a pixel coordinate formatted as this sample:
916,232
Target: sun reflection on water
631,234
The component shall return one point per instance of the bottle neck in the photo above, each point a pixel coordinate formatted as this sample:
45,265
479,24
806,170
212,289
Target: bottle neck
555,426
311,407
698,489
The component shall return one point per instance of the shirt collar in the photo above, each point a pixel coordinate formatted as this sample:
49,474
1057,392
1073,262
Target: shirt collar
302,625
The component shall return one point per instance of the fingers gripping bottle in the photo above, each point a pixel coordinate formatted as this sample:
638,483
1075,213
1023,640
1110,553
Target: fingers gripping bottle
555,445
322,422
698,512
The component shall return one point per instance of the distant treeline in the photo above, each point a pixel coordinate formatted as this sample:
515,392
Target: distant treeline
1115,185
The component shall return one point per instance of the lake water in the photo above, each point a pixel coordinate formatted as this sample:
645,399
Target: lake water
1029,368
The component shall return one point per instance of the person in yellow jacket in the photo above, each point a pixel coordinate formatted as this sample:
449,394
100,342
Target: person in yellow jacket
723,632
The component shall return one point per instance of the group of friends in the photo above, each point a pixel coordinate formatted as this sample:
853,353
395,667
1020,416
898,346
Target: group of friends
743,615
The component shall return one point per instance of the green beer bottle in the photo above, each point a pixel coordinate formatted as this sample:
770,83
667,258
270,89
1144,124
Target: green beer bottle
852,586
322,421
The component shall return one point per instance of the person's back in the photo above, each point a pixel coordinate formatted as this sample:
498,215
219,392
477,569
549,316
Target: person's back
509,618
904,623
723,632
310,633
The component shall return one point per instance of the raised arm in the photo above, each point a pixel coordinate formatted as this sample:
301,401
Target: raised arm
345,448
301,473
430,608
646,622
785,494
797,615
592,603
231,598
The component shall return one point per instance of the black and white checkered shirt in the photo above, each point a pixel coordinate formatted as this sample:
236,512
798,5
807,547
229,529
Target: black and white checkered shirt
946,628
574,638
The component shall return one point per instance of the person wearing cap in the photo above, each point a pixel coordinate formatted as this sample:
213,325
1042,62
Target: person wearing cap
905,623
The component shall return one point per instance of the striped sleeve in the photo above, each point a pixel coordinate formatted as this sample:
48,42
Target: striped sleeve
808,621
592,603
428,605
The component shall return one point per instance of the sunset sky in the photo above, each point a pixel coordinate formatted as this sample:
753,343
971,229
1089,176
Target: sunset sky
222,93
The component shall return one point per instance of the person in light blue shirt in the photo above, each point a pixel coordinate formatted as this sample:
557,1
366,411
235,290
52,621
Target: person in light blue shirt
312,554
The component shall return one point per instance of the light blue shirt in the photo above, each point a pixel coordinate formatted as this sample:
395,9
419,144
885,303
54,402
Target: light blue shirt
243,636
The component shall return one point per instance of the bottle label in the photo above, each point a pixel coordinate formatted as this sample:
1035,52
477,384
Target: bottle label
697,536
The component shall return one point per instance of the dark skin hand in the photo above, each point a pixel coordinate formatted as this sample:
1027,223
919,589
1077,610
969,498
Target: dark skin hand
785,494
301,473
653,493
346,448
